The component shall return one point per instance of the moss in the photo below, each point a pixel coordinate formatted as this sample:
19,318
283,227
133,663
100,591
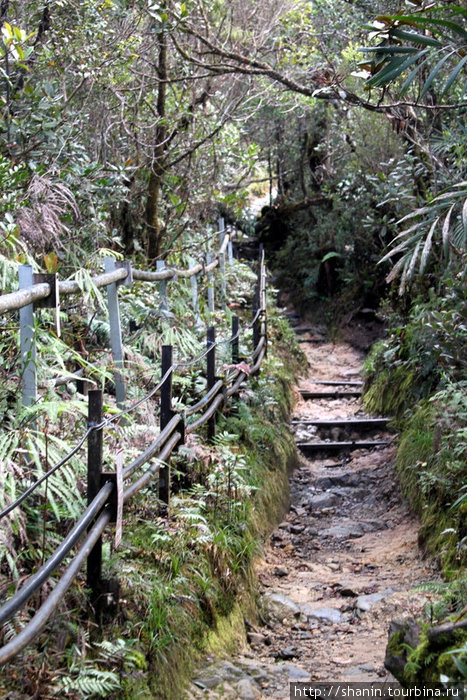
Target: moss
431,476
228,634
390,392
429,660
136,688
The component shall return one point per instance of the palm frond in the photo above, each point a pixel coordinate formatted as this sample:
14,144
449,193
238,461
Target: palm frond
445,218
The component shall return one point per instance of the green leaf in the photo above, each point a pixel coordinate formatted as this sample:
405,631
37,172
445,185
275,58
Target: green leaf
413,262
408,81
415,37
461,666
427,247
454,75
434,72
7,30
388,49
435,23
399,248
394,69
445,230
330,255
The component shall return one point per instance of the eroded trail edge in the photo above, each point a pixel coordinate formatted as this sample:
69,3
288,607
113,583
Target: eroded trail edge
342,564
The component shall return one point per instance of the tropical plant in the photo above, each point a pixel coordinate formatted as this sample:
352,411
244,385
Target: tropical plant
424,53
445,219
430,44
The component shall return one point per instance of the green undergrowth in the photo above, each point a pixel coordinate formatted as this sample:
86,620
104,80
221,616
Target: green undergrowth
423,353
189,582
431,461
417,375
437,662
186,582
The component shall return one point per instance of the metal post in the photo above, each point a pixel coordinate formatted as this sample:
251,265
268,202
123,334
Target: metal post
257,322
210,285
262,299
27,342
221,224
163,288
211,374
257,302
94,562
194,297
223,282
222,233
230,254
235,342
166,414
115,335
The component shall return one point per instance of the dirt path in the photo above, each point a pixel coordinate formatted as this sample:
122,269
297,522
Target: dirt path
338,569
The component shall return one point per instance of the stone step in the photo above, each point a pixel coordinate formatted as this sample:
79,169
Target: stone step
313,447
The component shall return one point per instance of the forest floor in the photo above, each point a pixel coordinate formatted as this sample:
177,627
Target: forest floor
342,564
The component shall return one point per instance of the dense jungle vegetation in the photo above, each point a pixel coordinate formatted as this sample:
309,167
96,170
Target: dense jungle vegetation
126,128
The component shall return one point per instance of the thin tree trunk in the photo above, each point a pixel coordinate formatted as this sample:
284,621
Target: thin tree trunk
153,224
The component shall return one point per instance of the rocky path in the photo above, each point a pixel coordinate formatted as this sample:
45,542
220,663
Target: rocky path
339,568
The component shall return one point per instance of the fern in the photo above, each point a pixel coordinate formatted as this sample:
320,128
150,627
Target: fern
90,681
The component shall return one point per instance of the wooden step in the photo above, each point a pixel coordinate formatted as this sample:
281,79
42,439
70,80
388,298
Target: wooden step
334,382
303,329
356,423
330,394
313,447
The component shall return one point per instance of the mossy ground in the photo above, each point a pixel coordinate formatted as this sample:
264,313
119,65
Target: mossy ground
430,660
431,464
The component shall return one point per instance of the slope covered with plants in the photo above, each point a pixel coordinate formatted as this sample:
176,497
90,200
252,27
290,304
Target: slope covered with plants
127,127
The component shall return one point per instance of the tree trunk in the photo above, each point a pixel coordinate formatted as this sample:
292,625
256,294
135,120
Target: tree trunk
153,224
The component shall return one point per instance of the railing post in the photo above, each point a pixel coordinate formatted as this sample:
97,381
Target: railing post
195,299
27,342
211,374
115,335
210,284
230,255
164,306
221,226
257,321
222,260
262,297
94,562
166,414
257,304
235,341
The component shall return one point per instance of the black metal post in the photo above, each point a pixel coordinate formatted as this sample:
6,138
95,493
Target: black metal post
235,341
211,374
165,416
94,562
